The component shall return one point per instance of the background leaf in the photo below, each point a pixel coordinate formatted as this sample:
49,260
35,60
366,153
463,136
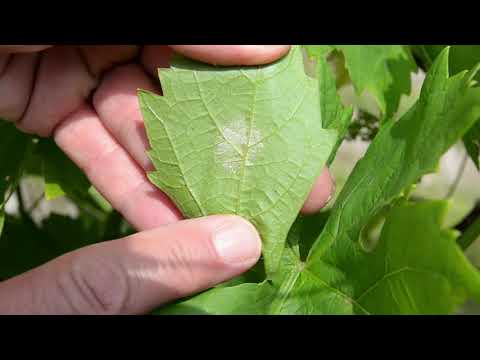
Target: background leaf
61,175
383,70
403,151
462,57
334,115
405,271
416,267
24,245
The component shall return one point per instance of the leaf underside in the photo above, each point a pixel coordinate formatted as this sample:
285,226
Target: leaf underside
242,140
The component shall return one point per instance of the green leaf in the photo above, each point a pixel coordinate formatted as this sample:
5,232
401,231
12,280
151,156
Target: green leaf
416,267
62,176
383,70
241,140
334,115
67,234
24,245
243,299
403,151
462,57
318,51
340,276
401,275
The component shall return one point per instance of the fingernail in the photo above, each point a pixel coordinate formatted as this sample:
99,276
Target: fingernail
274,47
237,241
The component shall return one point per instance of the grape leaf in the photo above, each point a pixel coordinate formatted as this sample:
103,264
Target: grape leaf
416,267
338,270
401,275
403,151
241,140
334,114
242,299
462,57
383,70
319,51
61,175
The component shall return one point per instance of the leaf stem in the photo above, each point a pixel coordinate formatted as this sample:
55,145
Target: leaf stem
470,235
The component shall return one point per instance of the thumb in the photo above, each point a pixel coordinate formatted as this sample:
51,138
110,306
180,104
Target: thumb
138,273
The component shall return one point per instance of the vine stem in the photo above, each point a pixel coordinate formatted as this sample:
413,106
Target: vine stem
458,177
470,235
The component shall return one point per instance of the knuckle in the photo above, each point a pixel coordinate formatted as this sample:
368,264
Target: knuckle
184,270
94,286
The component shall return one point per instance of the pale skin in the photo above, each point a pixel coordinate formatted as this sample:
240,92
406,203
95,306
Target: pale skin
85,98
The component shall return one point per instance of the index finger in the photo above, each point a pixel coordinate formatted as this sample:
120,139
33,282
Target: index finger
233,54
155,56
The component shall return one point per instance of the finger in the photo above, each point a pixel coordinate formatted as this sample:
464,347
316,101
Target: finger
321,193
133,275
102,57
233,54
155,57
16,82
115,174
63,82
11,49
116,104
65,78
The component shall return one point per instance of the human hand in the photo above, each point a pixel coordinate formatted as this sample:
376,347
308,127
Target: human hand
85,97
